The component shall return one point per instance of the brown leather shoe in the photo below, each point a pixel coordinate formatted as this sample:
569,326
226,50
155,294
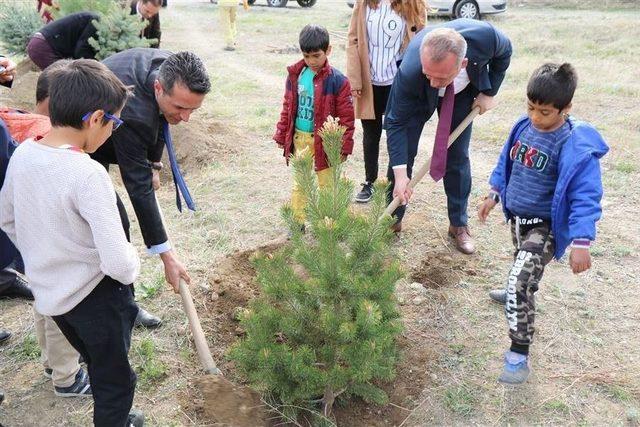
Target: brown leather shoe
396,227
464,242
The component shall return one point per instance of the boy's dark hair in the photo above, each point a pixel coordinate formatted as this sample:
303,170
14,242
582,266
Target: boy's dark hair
42,86
156,3
187,69
80,87
553,84
314,38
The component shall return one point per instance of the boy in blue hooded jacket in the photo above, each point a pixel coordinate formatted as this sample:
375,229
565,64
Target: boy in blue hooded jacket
548,180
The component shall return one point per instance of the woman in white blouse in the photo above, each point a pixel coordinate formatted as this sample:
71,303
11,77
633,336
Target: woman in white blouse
379,32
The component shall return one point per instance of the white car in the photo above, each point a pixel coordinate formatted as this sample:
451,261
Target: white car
471,9
462,8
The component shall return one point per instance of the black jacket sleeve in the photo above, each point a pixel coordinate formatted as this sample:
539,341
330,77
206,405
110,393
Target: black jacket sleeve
132,154
153,30
83,49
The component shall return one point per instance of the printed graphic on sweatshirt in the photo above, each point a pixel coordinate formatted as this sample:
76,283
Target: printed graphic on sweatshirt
529,156
304,115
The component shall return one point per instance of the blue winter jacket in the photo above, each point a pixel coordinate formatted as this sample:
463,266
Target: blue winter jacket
7,250
575,208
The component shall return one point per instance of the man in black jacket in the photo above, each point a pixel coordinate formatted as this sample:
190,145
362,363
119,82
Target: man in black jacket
149,10
167,88
471,57
64,38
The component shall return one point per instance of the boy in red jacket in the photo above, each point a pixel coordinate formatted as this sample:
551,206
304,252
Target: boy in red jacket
314,91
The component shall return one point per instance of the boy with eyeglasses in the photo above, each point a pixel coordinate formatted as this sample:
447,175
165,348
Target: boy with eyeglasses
58,206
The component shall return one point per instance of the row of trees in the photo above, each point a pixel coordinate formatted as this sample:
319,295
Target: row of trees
117,30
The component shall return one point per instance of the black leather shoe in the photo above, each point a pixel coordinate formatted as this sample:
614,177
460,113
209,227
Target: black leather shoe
136,418
147,320
18,289
4,335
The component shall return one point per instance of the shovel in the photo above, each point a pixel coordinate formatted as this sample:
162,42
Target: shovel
417,177
228,403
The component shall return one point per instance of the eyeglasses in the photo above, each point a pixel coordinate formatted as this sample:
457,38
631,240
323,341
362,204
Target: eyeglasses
116,120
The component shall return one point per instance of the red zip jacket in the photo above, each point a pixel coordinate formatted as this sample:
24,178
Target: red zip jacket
331,97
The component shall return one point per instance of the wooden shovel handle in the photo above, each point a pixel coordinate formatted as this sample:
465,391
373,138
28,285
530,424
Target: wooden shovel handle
417,177
198,336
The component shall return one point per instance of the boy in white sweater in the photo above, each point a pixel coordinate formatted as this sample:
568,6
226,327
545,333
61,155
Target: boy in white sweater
58,206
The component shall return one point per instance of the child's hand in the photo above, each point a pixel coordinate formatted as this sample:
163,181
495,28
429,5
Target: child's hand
245,5
579,260
485,208
343,158
356,93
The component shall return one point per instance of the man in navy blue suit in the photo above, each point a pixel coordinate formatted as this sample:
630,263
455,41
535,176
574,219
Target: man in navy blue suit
471,55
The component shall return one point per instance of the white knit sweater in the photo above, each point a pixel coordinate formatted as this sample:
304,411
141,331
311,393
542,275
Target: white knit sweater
58,206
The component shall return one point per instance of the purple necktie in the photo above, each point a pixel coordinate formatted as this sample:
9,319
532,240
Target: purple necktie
439,155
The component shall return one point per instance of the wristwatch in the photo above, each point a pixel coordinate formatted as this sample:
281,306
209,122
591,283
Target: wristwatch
494,196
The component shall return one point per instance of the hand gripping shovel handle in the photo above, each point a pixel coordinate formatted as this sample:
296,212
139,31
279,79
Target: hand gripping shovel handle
417,177
198,335
202,348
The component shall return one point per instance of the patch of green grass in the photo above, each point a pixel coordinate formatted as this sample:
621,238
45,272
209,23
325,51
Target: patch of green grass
619,393
149,289
597,251
557,406
625,167
622,251
460,400
28,349
149,367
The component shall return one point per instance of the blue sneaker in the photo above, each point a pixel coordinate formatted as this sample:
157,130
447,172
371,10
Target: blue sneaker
516,368
80,388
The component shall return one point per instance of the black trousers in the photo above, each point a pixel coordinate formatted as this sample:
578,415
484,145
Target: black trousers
457,178
372,131
8,278
99,328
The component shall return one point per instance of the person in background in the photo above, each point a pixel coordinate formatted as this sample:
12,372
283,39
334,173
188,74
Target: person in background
64,38
379,33
228,13
44,9
314,91
149,10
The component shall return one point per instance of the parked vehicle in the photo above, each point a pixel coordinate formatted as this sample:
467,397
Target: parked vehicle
472,9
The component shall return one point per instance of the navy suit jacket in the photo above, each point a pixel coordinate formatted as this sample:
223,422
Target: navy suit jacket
412,100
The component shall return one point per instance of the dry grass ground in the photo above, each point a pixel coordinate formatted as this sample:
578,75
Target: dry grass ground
585,358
